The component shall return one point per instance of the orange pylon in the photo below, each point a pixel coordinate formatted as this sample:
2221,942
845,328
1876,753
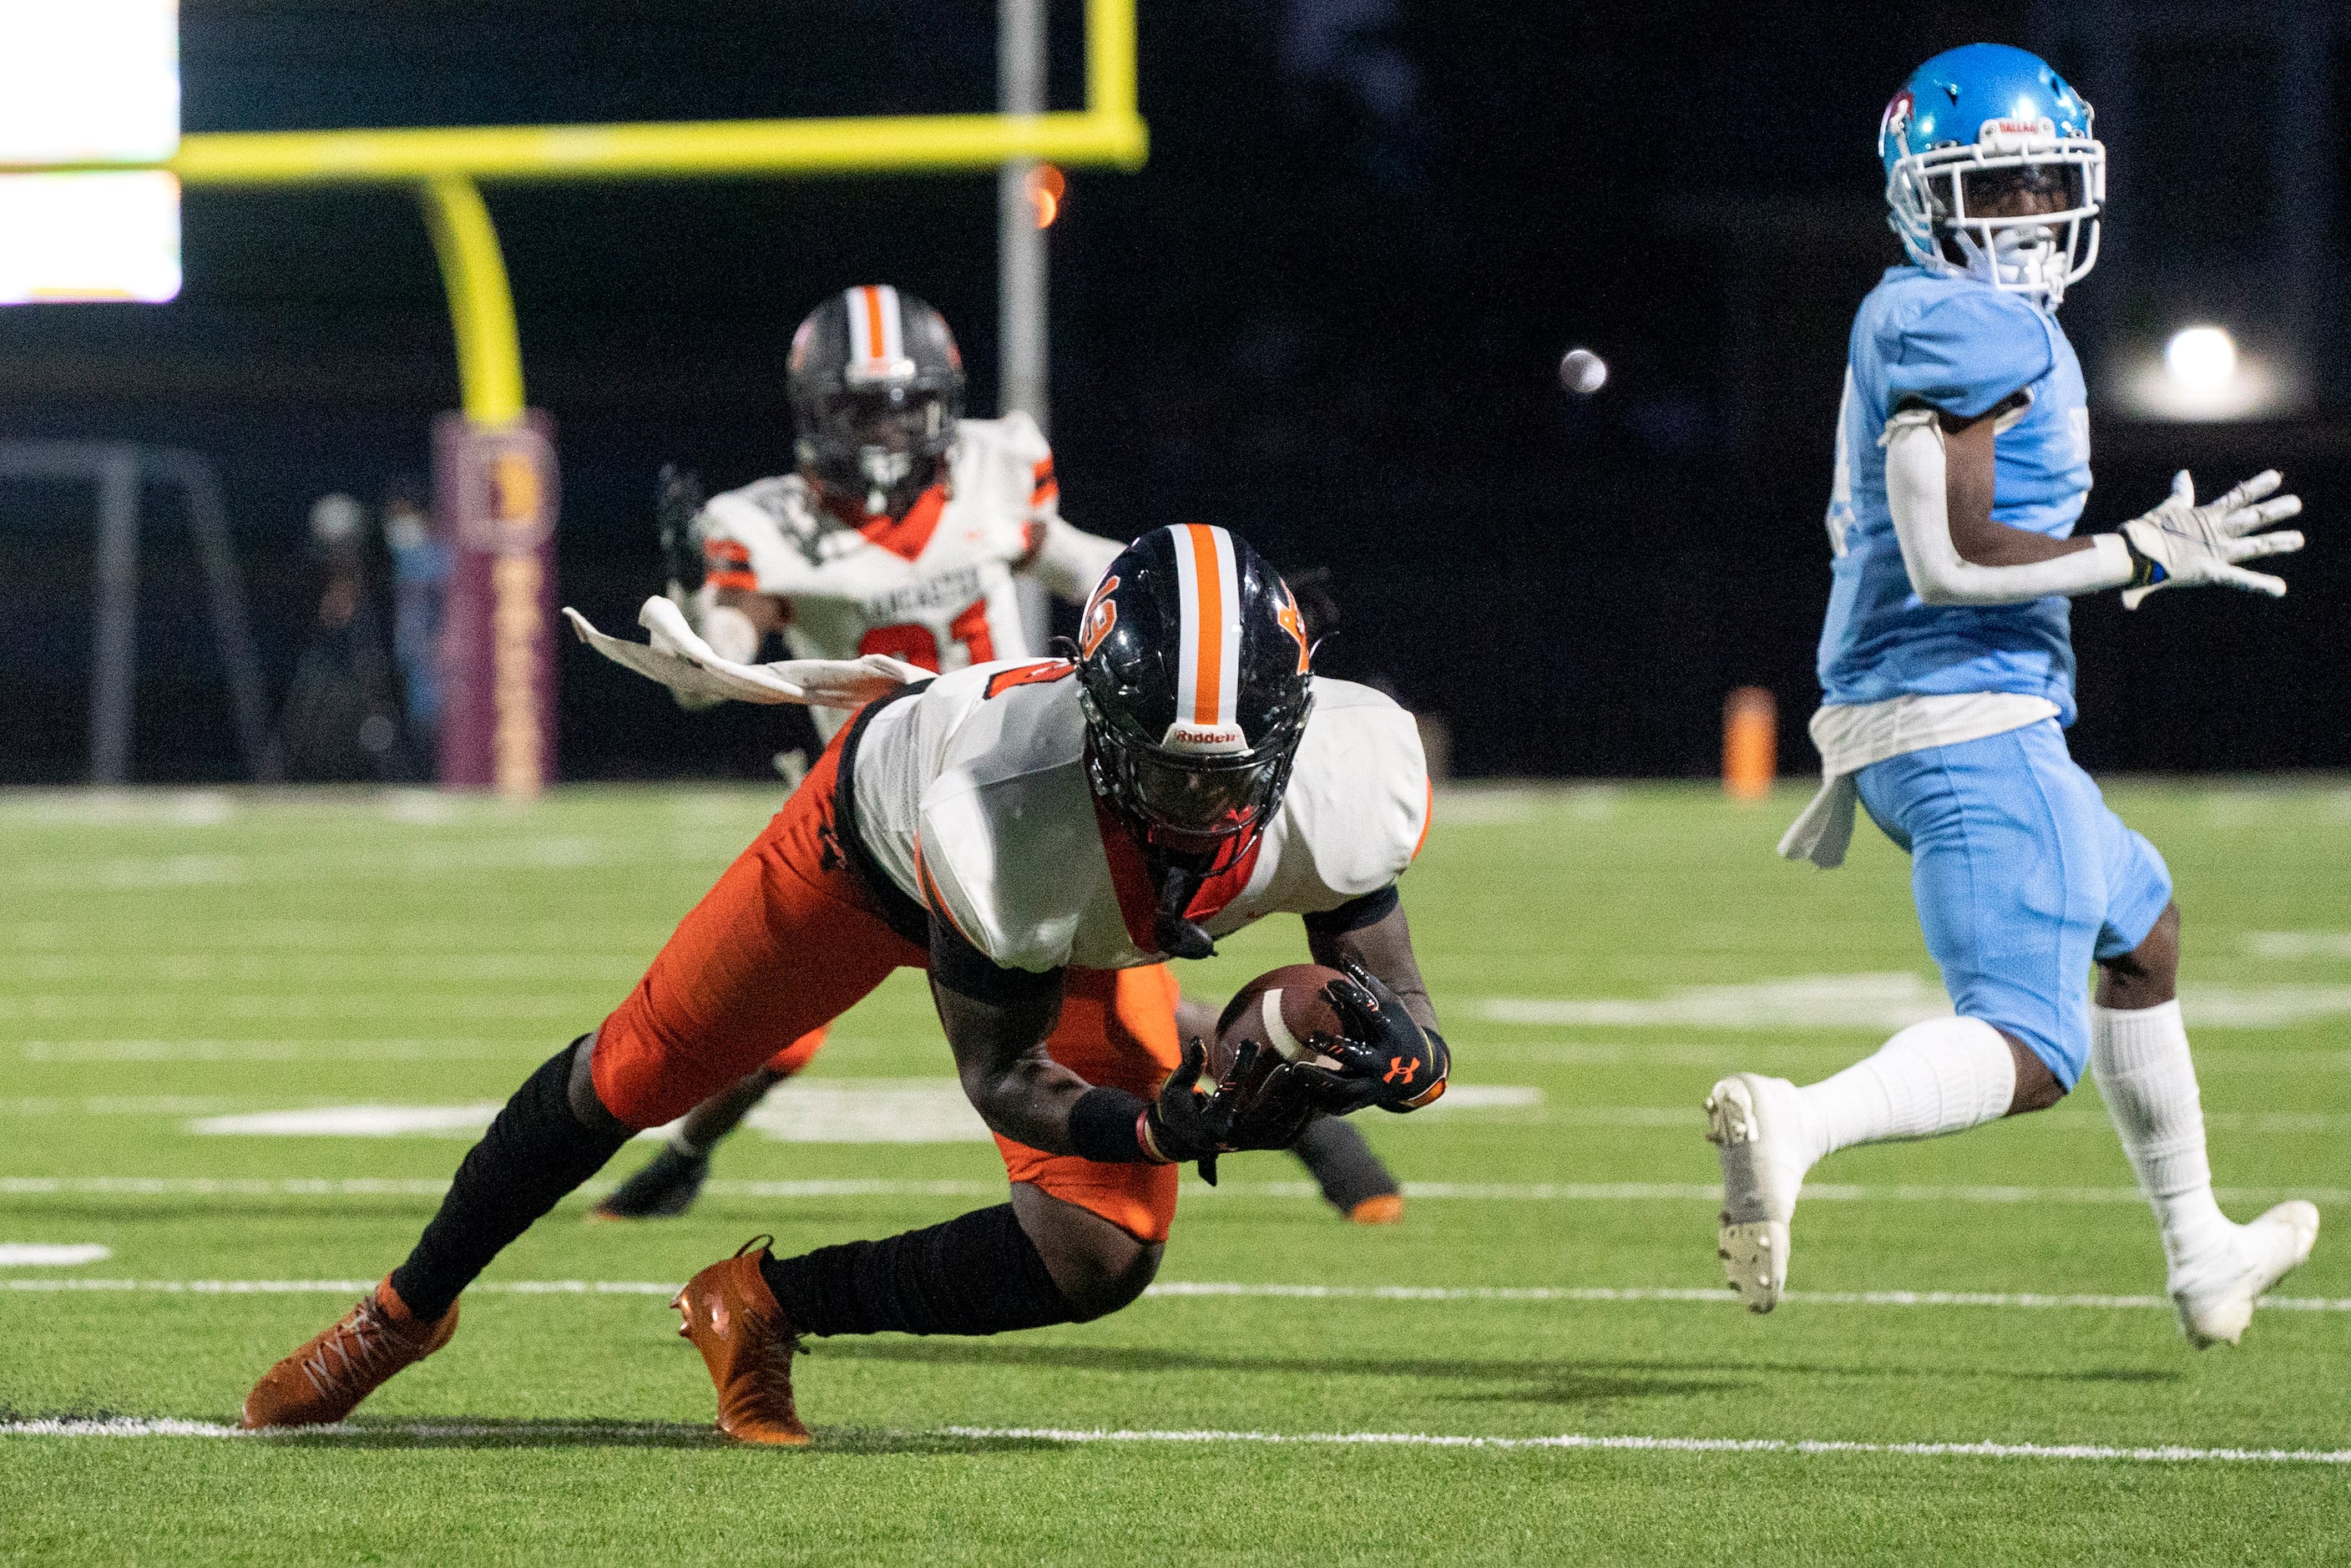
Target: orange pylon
1751,743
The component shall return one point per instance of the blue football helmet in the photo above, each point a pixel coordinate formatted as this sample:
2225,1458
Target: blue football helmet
1973,129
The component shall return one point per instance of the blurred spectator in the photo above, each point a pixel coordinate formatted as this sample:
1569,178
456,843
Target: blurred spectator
420,576
342,719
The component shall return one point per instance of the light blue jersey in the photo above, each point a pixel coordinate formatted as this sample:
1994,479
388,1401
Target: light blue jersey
1961,346
2021,874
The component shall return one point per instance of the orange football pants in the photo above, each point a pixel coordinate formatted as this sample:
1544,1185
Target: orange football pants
789,939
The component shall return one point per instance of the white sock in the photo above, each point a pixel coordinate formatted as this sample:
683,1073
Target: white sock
2140,1058
1941,1076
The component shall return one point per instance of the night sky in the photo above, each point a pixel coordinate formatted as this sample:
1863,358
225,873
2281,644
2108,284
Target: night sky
1328,313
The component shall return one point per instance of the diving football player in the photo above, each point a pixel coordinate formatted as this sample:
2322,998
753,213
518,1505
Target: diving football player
1962,465
900,532
1024,832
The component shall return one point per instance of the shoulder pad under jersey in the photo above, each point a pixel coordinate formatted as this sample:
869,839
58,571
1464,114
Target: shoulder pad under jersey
1005,464
1962,345
1358,804
1008,850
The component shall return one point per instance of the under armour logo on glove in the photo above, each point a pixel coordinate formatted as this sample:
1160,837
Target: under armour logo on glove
1383,1057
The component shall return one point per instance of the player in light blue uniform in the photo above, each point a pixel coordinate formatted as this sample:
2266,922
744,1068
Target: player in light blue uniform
1962,465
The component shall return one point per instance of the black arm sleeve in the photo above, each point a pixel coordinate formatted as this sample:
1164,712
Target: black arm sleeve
1102,1128
1353,915
968,972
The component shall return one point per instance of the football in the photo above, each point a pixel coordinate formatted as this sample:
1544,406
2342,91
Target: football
1280,1009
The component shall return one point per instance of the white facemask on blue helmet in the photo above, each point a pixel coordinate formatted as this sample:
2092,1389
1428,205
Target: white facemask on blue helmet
1975,125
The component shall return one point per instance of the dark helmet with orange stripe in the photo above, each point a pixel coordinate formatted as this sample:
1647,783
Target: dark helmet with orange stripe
876,387
1193,671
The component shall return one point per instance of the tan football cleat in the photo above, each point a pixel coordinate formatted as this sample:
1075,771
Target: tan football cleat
2268,1247
1381,1208
325,1380
748,1344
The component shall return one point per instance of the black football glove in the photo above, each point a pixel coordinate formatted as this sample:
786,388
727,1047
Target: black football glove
1385,1058
1176,1121
1186,1124
1269,1116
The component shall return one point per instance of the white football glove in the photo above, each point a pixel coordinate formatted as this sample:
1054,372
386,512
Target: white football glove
2181,544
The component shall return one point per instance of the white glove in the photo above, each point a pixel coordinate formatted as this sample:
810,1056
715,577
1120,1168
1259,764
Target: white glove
677,657
729,633
2181,544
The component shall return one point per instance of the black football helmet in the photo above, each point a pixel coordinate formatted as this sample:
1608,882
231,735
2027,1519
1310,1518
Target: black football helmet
1193,669
876,387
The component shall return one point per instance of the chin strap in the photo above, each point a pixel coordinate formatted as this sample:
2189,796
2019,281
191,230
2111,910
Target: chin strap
1176,935
2017,261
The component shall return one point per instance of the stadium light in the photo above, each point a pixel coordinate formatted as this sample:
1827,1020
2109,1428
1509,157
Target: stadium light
2204,376
96,81
1046,188
2202,359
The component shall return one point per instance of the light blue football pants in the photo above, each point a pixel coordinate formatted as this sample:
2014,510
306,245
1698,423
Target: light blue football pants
2022,876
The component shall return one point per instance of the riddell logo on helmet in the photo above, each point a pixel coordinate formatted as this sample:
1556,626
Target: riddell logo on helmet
1206,738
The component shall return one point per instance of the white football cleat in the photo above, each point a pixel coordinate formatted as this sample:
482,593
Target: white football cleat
1755,1122
2267,1248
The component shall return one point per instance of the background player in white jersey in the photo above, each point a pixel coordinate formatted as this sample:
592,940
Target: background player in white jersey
1019,831
900,532
905,524
1962,465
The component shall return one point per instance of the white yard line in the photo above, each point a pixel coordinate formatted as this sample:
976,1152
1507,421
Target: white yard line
55,1283
276,1006
51,1254
1183,1289
129,1426
1888,1000
445,1049
2294,945
811,1113
2166,1454
433,1187
1709,1192
170,934
221,1186
39,1105
1478,1192
259,966
1598,1293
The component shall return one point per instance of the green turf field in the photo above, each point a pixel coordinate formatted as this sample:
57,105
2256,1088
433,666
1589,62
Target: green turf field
1599,956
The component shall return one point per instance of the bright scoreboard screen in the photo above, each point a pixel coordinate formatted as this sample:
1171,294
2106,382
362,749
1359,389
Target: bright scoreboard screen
88,81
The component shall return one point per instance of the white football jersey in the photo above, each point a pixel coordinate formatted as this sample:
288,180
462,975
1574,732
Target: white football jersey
972,796
934,588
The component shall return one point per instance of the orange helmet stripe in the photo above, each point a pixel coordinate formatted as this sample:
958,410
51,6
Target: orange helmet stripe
1207,576
876,334
1209,618
877,337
